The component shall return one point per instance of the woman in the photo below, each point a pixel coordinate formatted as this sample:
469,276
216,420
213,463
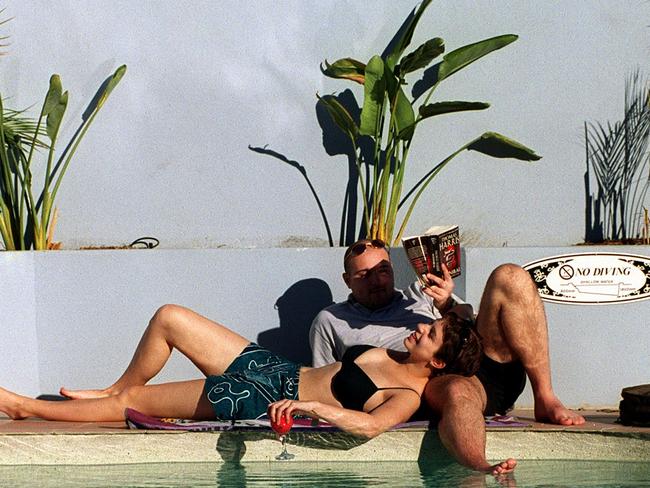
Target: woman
370,391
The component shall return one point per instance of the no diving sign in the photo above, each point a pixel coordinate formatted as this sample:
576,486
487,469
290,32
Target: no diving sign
592,278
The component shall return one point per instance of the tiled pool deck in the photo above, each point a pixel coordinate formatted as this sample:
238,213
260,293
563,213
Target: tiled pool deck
41,442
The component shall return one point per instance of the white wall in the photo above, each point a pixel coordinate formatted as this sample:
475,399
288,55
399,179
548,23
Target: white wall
18,318
168,155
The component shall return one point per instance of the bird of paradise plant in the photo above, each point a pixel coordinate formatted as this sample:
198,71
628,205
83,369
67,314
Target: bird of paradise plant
26,219
389,118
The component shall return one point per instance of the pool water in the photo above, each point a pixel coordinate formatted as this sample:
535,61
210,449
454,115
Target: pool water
329,474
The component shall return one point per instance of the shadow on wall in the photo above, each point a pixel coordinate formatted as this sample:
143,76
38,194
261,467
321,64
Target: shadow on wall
297,308
335,143
295,164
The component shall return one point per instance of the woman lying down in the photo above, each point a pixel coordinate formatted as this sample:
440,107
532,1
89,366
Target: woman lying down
368,392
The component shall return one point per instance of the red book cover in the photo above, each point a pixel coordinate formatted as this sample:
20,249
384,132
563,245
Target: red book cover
449,249
416,255
439,244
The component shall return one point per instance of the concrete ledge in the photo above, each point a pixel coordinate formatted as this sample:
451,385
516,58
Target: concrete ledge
565,445
35,442
73,318
193,447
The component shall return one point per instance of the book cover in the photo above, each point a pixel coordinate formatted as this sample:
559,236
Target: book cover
439,244
417,255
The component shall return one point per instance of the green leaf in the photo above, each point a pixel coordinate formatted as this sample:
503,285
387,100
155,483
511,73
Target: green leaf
55,116
441,108
402,115
346,68
461,57
499,146
112,83
374,95
19,129
405,117
394,53
422,56
53,95
340,115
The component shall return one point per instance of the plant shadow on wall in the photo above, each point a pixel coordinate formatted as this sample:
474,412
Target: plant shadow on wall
378,133
335,143
618,162
295,164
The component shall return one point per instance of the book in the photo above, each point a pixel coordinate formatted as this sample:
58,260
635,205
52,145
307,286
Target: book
426,252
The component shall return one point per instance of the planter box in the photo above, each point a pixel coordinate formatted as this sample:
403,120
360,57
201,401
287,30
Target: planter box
73,318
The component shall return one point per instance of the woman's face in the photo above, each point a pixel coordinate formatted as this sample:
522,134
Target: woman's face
425,342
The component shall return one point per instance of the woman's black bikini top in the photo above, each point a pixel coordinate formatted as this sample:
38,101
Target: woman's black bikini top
351,385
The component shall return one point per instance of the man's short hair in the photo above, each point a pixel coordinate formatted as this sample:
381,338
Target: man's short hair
360,247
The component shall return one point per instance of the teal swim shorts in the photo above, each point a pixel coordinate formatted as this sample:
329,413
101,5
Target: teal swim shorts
254,379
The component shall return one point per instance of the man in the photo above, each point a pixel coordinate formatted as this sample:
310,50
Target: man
511,322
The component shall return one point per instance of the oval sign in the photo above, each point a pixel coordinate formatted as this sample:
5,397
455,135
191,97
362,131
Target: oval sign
592,278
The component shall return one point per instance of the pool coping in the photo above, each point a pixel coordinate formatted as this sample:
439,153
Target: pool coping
39,442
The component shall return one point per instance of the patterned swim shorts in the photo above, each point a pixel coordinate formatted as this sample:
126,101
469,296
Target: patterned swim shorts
255,378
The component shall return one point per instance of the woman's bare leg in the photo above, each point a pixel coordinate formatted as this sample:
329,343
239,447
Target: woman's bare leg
182,399
209,345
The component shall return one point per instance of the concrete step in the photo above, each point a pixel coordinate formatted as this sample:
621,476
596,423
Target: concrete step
39,442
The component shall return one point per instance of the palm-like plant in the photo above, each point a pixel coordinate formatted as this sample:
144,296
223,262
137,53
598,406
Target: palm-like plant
17,131
3,39
389,118
27,220
618,156
25,217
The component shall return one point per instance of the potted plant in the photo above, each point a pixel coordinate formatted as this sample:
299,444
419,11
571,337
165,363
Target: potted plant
27,219
389,119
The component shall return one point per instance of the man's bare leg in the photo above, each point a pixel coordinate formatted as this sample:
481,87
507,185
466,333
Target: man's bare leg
209,345
459,402
513,326
183,399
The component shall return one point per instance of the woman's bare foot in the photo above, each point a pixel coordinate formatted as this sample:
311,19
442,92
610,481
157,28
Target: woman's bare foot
10,403
503,467
554,412
86,394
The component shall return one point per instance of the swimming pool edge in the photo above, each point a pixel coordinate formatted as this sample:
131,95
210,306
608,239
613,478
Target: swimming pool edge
218,447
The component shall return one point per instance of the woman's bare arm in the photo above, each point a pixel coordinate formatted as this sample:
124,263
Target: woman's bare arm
398,408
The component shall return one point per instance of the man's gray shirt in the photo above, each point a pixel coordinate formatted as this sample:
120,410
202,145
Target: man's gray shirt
345,324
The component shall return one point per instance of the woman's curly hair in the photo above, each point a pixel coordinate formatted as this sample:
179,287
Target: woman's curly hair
461,348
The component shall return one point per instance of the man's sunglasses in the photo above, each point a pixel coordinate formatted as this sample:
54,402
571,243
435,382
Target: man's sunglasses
361,246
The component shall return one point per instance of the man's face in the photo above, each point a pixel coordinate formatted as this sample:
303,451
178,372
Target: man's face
370,278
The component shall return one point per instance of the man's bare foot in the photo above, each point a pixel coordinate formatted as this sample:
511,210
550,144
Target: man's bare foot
10,404
503,467
554,412
86,394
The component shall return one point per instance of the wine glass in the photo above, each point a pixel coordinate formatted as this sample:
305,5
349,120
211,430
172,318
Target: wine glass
282,428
